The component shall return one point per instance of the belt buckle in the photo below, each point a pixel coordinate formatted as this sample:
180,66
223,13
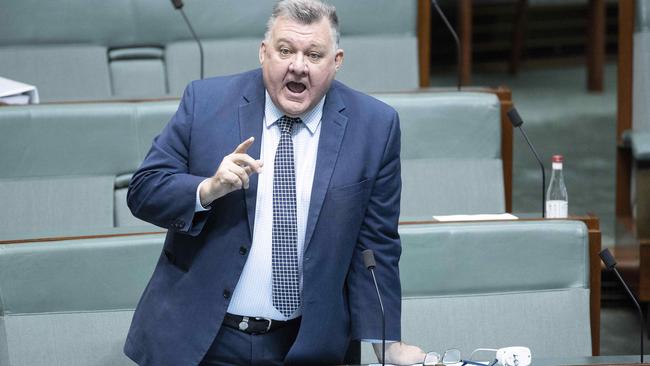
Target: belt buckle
269,322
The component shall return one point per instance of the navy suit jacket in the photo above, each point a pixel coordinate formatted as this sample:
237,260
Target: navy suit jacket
354,206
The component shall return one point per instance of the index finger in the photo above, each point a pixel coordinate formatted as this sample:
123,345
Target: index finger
241,149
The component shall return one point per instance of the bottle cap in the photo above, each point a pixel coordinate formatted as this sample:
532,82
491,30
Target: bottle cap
557,158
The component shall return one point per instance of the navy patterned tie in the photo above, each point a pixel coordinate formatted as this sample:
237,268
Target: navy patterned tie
286,279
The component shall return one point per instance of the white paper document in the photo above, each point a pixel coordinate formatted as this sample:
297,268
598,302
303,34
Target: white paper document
15,92
481,217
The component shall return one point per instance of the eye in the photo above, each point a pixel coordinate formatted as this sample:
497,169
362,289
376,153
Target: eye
314,56
284,51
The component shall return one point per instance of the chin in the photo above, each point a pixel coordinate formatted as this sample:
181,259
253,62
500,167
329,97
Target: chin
294,109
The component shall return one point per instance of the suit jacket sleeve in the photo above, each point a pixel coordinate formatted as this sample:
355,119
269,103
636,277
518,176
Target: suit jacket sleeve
379,233
162,191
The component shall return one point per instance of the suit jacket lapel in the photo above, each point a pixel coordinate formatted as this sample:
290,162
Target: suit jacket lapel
331,136
251,115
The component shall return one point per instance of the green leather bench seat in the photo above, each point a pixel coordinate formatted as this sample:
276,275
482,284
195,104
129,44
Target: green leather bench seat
44,204
496,284
138,71
451,153
68,166
232,31
48,153
61,72
75,55
465,285
70,303
60,164
183,63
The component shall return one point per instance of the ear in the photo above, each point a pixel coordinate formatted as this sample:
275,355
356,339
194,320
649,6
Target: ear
338,59
262,51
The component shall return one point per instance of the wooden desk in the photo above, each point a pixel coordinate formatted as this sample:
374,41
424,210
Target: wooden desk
95,233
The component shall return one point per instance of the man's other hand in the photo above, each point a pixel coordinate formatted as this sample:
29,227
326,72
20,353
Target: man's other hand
399,353
233,174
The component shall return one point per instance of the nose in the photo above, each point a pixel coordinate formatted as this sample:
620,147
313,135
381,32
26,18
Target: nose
298,64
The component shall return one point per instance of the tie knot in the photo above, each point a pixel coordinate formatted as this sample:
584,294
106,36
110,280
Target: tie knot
286,123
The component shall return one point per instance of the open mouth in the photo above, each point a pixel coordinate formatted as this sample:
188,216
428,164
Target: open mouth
295,87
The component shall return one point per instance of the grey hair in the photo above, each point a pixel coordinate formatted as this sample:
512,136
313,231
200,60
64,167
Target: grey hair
305,12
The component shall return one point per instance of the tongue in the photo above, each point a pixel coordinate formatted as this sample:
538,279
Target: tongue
296,87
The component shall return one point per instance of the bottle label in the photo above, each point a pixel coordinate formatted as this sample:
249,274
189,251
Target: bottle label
557,209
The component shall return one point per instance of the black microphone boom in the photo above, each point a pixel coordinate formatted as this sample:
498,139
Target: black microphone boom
178,5
453,34
517,122
369,262
610,263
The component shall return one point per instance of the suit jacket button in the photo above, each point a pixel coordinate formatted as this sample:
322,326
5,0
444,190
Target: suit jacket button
226,294
243,250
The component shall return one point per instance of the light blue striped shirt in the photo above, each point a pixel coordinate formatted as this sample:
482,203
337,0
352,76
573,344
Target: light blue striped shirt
253,293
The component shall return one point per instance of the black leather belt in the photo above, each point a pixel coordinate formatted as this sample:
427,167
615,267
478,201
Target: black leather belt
255,325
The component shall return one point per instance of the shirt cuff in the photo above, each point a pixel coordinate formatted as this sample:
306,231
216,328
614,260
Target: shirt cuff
377,341
198,207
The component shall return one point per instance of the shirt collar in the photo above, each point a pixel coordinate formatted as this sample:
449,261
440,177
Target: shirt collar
310,119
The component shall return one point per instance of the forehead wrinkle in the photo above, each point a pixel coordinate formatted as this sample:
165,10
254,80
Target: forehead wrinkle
312,45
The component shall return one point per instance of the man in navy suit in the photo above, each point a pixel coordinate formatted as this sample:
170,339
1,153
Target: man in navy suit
271,183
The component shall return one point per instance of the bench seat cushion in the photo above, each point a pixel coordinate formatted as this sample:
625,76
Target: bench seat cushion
61,203
60,72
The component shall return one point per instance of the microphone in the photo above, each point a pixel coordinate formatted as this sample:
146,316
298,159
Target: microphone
178,5
610,263
369,262
517,122
459,56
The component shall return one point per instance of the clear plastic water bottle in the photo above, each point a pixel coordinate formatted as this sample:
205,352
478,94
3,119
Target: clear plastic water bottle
557,200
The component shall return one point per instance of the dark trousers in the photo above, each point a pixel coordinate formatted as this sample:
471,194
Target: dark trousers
234,347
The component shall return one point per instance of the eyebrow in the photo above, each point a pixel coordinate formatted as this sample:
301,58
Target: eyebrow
311,46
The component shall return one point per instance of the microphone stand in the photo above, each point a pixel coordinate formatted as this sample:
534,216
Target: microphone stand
517,122
610,263
459,56
369,262
521,128
178,5
383,320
